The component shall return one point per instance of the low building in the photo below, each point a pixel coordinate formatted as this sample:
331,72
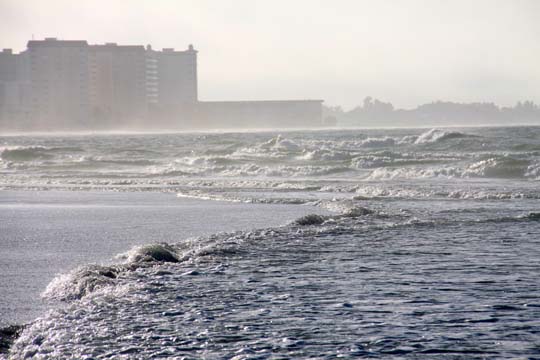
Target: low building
259,114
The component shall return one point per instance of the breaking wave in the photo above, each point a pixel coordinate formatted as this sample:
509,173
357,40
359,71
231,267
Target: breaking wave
25,153
378,142
438,135
30,153
80,282
89,279
358,155
492,167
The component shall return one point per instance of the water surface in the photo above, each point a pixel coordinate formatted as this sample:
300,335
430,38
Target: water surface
430,247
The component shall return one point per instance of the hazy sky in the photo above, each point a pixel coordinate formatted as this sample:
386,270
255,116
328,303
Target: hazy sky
407,52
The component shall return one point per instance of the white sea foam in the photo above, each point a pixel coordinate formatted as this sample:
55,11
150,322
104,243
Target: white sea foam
437,135
378,142
80,282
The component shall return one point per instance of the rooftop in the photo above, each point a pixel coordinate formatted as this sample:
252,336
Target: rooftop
48,42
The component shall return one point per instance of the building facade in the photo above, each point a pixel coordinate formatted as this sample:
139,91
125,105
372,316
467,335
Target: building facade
117,84
175,89
14,87
59,85
177,74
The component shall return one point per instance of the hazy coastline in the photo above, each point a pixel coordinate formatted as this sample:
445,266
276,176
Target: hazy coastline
258,180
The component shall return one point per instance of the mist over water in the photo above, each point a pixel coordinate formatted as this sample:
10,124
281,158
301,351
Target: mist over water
429,248
165,160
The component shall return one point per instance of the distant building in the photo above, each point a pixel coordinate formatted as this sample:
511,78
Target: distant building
59,81
118,84
69,84
8,65
13,86
177,74
8,72
176,91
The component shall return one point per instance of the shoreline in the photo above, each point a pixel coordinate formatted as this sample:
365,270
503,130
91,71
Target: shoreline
257,130
52,232
12,330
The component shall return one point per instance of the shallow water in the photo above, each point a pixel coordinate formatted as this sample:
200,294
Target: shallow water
430,250
46,233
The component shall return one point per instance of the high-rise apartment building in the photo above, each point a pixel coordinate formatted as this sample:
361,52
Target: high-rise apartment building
172,84
59,87
177,73
13,84
71,84
117,83
8,65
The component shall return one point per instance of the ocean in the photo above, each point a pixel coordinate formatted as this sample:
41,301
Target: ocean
394,243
